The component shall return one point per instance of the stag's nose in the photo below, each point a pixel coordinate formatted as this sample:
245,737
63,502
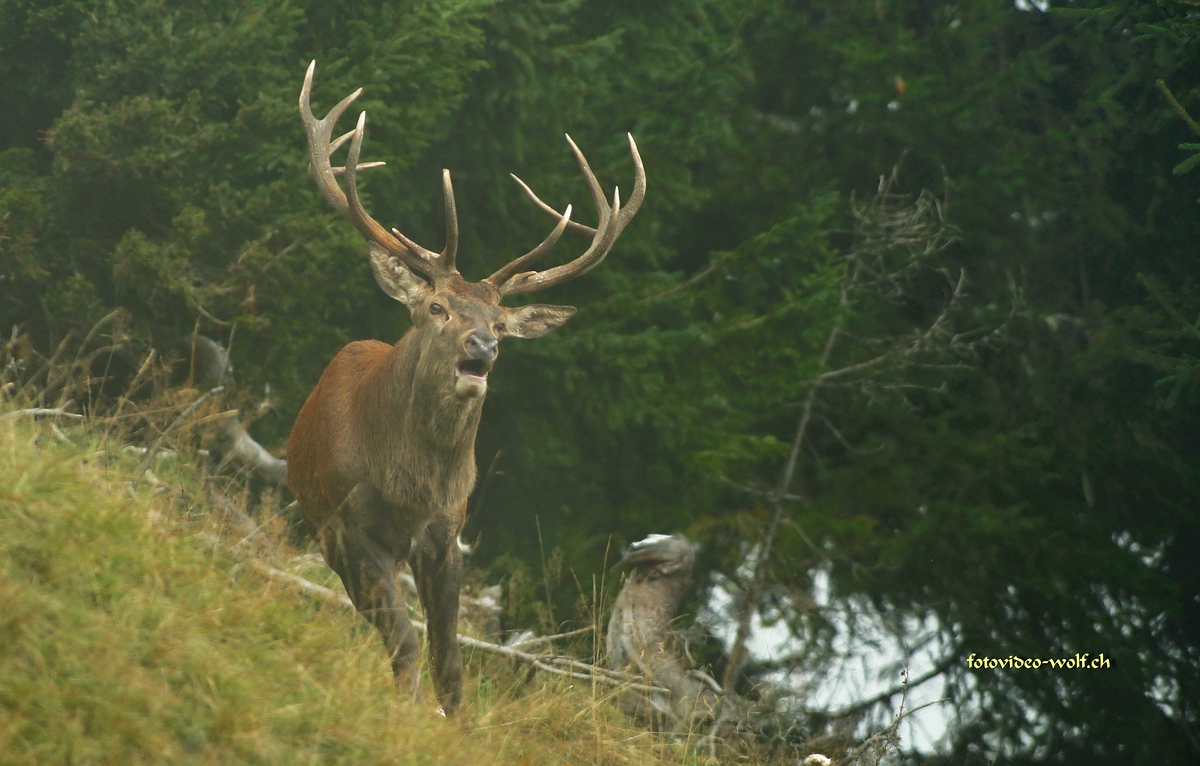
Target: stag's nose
482,345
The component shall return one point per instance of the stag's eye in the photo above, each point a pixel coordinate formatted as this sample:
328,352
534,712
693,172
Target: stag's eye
435,308
501,327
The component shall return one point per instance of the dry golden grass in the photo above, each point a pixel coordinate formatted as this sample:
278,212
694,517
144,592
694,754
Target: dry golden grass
126,638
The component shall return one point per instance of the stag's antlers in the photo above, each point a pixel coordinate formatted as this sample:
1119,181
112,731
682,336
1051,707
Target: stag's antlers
613,221
424,262
509,279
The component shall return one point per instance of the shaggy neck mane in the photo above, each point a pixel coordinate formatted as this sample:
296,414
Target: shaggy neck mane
414,412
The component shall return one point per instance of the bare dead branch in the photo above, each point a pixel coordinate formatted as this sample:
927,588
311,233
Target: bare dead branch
183,416
760,492
541,640
900,688
752,590
720,261
38,413
253,455
851,369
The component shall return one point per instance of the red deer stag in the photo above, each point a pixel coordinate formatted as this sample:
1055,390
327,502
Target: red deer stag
382,456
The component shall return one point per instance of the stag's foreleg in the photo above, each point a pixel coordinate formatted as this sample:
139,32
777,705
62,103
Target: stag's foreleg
437,567
368,570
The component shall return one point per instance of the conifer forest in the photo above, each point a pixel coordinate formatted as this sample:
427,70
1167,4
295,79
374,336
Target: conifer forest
904,338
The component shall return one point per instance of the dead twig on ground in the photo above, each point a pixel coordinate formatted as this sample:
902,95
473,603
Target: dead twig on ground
37,413
540,640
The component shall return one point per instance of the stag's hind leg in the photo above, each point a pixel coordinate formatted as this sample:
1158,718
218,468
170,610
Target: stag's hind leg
369,573
437,566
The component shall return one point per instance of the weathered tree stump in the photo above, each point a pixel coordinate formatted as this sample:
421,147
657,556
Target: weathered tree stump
641,639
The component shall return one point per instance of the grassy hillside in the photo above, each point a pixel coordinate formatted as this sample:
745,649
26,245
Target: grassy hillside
126,638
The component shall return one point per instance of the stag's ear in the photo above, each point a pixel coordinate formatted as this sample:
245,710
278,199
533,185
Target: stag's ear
395,279
535,320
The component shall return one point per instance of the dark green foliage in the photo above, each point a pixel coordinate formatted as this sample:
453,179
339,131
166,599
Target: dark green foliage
177,186
1018,458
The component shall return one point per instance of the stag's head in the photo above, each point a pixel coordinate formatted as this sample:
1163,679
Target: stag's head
461,323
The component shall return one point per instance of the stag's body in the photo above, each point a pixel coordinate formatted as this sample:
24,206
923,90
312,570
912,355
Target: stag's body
382,468
382,456
373,421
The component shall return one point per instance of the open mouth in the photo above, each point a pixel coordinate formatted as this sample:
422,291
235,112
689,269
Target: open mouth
475,369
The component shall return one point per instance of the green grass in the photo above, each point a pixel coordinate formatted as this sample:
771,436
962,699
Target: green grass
126,639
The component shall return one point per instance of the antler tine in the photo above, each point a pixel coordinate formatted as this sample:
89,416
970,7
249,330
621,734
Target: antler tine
639,187
451,252
573,225
589,176
425,261
339,171
446,259
508,270
531,281
631,208
347,203
317,132
613,220
340,140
